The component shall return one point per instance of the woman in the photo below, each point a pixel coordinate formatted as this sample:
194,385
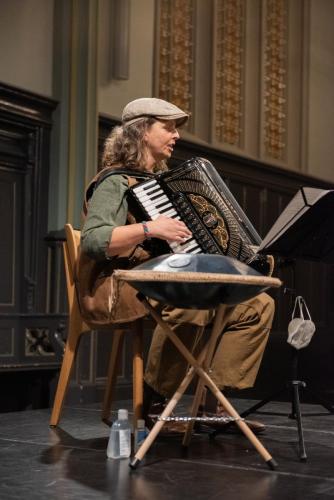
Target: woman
141,146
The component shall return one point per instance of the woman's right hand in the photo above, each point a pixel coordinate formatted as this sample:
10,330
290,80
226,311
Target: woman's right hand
125,237
168,229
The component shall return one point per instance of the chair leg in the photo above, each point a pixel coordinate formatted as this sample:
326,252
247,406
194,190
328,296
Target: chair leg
137,370
116,349
71,348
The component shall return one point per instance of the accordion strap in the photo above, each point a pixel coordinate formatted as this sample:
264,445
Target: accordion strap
133,177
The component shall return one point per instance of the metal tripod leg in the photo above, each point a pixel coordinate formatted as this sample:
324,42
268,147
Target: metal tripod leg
296,413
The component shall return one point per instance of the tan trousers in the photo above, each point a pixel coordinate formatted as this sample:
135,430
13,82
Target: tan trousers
245,330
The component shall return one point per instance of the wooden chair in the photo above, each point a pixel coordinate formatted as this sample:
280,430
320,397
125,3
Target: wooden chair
76,327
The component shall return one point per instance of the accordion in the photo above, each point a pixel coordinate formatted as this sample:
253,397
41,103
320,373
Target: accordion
195,193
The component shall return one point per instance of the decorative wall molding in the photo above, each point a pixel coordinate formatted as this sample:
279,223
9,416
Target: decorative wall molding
228,72
275,78
175,56
38,342
255,89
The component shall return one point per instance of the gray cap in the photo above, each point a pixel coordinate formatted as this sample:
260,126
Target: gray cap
151,106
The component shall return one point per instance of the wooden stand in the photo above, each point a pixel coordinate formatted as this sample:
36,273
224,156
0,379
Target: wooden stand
230,287
197,366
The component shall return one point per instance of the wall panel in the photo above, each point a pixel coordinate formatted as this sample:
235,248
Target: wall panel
27,330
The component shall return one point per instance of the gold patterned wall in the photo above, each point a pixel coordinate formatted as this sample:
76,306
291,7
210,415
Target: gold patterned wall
175,56
252,86
228,71
275,78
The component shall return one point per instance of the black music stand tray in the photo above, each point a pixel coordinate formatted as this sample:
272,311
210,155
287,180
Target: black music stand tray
303,230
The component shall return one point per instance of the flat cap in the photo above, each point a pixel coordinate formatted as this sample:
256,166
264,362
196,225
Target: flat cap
151,106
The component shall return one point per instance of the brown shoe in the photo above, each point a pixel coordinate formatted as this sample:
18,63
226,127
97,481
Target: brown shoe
170,428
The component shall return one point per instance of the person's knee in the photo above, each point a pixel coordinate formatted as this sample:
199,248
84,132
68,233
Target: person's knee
257,310
263,303
265,307
268,304
267,300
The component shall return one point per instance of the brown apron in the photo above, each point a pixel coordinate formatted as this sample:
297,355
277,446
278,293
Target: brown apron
101,304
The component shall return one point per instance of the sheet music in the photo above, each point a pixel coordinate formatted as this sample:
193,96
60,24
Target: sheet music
305,198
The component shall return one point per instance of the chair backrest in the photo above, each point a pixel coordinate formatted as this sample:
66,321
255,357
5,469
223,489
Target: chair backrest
71,252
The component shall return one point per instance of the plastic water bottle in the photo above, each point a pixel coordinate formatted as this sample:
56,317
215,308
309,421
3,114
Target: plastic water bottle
140,434
119,445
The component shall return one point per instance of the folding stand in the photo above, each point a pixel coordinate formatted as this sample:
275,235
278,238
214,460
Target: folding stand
196,367
136,278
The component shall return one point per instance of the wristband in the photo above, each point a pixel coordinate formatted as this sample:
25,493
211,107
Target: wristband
146,230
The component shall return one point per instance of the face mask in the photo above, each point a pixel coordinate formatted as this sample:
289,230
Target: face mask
300,329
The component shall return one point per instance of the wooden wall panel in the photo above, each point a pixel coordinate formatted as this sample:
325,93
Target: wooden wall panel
27,330
9,224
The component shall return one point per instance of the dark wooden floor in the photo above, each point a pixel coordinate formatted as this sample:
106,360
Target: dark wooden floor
70,462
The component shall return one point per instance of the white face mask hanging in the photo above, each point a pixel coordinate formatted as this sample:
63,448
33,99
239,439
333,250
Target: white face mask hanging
300,329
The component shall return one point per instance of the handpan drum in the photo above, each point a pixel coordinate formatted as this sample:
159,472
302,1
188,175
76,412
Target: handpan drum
199,281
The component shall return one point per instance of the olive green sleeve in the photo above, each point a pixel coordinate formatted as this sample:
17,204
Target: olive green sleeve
107,209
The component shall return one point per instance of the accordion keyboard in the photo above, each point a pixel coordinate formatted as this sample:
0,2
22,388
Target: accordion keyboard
155,203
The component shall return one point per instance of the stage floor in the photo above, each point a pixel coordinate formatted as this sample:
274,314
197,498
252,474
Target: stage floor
70,462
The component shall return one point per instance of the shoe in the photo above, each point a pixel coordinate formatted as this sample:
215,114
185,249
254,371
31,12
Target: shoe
153,405
170,428
228,426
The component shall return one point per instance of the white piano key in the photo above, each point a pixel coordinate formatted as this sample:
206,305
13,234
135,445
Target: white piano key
152,189
197,250
166,209
144,197
149,201
173,245
157,214
184,247
163,208
154,210
157,202
192,243
189,246
170,212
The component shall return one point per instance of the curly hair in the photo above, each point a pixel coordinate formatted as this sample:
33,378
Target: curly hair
125,148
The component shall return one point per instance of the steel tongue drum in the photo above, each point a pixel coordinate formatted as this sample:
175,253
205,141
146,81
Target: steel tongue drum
198,281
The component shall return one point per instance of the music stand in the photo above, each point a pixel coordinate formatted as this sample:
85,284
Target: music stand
303,230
